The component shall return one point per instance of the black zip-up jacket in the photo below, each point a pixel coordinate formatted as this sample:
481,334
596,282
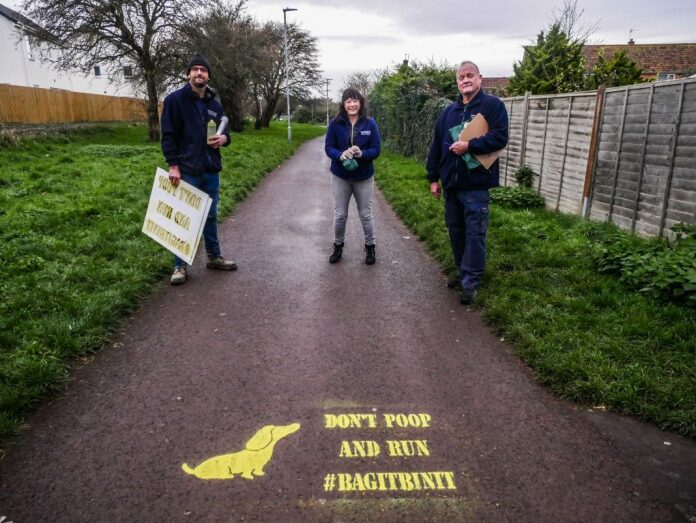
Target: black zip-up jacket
184,131
450,168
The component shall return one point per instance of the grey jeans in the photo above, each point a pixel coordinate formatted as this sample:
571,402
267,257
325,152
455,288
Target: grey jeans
362,191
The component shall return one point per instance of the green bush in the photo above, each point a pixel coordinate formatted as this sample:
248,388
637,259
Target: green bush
406,105
525,176
304,114
656,266
517,198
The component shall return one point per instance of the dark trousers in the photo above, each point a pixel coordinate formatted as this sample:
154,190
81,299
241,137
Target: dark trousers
209,183
466,215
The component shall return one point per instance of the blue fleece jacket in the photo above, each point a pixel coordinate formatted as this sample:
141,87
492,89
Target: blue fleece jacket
184,122
365,134
450,168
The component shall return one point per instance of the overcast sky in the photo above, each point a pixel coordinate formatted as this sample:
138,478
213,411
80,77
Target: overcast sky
365,35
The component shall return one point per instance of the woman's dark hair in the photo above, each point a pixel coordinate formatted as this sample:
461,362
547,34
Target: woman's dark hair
353,93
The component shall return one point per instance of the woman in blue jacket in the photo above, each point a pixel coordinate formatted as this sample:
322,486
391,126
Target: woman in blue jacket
352,143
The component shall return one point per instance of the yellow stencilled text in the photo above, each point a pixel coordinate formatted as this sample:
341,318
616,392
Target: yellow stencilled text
370,421
407,420
190,198
166,185
389,481
350,421
167,237
164,209
359,449
408,448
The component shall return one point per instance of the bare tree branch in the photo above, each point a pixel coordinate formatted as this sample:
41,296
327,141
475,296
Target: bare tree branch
114,33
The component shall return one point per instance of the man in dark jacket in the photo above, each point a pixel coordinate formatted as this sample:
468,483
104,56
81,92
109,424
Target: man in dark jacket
452,164
193,156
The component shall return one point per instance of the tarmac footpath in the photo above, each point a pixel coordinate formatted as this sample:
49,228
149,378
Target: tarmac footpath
293,390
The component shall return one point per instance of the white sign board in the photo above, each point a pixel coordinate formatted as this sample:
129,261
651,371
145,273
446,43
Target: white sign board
176,215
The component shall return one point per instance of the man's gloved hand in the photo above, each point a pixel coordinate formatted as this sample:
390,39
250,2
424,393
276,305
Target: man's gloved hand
346,155
357,153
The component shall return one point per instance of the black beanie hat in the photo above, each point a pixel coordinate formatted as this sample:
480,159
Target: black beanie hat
198,59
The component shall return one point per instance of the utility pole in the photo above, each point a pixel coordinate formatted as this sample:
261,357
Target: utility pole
327,101
287,76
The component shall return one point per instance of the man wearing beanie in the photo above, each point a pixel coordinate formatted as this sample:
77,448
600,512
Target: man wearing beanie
192,156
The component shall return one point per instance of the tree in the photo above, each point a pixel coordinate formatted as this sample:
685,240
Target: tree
554,65
407,102
233,44
310,111
618,70
569,20
117,33
363,82
269,82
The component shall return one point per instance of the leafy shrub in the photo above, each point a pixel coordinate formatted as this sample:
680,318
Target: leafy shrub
655,266
517,198
304,114
683,231
407,102
525,176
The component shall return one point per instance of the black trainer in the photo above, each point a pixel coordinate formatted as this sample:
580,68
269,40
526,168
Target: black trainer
337,253
370,254
467,296
454,283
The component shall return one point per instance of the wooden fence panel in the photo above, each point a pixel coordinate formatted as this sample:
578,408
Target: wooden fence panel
645,176
33,105
510,159
553,138
682,195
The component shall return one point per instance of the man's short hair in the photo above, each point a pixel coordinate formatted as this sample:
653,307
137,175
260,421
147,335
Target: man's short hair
469,62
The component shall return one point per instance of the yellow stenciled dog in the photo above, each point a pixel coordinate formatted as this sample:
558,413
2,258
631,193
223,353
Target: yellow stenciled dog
248,462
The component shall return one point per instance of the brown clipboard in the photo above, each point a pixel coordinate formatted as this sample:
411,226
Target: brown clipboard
477,128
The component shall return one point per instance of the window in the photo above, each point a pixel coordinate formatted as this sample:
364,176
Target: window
97,70
661,77
128,71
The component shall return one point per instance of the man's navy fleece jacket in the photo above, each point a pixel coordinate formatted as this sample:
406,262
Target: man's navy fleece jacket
185,118
450,168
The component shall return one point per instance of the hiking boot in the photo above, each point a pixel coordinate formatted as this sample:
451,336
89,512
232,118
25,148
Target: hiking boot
370,254
337,253
179,276
454,283
467,296
220,263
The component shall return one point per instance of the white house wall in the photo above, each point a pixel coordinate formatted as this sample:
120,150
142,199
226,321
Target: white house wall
19,67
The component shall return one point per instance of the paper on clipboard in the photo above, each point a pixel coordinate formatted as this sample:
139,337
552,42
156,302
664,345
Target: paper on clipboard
477,128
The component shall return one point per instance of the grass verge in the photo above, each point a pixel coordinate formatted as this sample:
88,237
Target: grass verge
73,261
588,337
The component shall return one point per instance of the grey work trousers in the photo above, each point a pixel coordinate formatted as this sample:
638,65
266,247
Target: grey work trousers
362,191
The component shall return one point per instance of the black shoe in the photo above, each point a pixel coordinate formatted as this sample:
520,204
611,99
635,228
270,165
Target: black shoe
370,254
337,253
467,296
454,283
